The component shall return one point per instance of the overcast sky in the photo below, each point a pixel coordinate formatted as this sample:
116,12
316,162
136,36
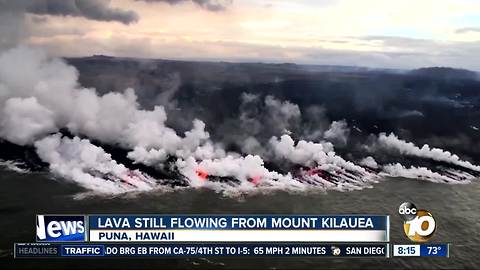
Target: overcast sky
375,33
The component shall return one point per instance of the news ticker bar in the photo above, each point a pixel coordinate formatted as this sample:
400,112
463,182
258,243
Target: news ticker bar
213,228
50,250
422,250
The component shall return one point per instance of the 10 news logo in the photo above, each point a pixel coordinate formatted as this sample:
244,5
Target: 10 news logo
418,224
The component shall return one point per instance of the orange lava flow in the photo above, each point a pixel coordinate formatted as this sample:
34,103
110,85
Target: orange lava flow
202,174
255,180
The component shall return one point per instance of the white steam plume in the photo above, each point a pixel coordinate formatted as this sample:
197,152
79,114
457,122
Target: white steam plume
392,142
14,166
309,153
338,132
398,170
248,170
274,115
283,114
22,120
369,162
45,97
89,165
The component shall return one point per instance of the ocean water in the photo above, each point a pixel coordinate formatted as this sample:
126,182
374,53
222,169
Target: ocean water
455,208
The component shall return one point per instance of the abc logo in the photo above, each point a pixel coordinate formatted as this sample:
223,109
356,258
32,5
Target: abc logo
418,225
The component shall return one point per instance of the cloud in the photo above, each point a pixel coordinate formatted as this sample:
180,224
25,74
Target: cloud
212,5
90,9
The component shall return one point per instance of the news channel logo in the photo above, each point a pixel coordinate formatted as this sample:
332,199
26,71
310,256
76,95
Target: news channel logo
418,224
336,251
53,228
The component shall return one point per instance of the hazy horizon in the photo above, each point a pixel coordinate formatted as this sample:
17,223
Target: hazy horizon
376,34
266,62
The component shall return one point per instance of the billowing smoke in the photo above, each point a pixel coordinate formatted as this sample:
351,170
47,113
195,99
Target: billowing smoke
15,166
23,120
44,106
393,143
338,132
268,116
259,118
398,170
369,162
249,171
45,97
303,152
315,123
309,153
89,165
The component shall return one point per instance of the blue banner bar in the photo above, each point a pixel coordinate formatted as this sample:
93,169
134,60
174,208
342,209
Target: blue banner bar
434,250
40,250
243,222
82,250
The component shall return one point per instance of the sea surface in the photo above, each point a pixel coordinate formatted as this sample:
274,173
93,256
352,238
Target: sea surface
455,208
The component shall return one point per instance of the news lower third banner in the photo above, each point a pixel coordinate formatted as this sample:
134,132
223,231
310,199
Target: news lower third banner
238,228
207,235
55,250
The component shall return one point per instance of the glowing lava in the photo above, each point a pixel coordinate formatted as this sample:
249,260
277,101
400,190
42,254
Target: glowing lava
202,174
255,180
